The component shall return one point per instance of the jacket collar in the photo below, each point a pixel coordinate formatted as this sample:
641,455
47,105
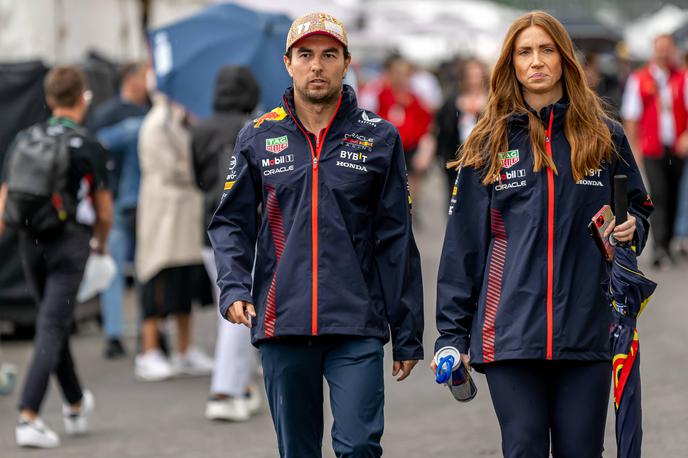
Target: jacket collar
348,105
66,122
559,108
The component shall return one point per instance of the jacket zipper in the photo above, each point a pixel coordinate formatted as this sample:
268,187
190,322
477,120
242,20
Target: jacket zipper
550,237
315,157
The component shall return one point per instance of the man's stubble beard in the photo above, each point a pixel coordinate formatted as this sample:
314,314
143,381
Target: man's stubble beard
329,98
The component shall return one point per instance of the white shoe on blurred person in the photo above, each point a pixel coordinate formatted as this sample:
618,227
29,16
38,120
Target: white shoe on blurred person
76,423
152,366
194,362
35,434
227,408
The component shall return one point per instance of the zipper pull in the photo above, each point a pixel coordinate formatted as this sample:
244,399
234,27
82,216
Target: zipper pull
546,138
315,163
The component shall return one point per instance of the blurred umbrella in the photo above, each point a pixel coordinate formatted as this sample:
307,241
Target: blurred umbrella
188,54
629,293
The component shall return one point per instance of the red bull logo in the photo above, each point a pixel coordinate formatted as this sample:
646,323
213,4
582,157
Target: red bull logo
277,114
359,141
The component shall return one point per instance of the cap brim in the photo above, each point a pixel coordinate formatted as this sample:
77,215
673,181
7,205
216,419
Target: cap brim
318,32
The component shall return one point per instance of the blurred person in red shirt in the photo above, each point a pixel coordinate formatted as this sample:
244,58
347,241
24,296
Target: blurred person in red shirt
392,97
655,113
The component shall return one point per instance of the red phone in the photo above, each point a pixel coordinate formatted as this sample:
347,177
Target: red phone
597,227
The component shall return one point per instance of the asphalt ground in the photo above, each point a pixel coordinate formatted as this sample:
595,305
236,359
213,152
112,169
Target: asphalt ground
136,419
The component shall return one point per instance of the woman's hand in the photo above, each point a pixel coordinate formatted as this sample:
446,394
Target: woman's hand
623,232
466,362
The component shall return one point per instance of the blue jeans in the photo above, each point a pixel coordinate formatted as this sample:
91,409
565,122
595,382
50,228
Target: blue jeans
681,227
121,246
294,369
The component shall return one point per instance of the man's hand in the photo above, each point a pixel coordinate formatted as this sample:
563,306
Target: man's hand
3,201
624,232
404,366
240,312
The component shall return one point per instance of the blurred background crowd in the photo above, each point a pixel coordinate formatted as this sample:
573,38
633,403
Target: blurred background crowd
163,80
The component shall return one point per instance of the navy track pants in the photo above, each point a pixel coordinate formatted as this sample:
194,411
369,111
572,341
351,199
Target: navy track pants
565,399
294,369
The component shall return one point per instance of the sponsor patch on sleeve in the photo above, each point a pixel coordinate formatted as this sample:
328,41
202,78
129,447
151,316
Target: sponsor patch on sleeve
455,193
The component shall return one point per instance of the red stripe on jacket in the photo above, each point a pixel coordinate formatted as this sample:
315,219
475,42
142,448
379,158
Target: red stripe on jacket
494,283
277,228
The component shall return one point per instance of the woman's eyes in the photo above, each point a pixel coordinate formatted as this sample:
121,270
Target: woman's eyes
525,52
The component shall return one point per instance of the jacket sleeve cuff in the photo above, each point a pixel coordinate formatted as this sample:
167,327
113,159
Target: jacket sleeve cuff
460,343
407,354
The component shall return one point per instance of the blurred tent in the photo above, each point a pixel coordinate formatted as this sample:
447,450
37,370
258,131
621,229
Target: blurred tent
166,12
430,31
640,34
425,31
591,35
188,54
681,37
21,104
63,30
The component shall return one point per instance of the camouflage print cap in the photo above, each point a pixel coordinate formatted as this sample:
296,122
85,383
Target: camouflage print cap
317,24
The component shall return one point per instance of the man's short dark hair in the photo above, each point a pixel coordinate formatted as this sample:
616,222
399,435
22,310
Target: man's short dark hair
288,53
128,69
63,85
392,59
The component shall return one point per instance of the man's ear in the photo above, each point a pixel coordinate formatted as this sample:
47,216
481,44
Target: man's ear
50,102
287,65
347,64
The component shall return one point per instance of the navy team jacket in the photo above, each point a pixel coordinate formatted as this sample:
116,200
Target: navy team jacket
332,251
520,277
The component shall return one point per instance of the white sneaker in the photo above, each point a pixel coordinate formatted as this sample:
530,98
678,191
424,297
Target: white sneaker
229,409
194,362
76,423
152,366
253,399
35,434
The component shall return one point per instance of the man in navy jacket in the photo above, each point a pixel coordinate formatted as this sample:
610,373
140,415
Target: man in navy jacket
330,268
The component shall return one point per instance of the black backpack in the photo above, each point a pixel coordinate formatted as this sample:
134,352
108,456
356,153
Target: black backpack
37,179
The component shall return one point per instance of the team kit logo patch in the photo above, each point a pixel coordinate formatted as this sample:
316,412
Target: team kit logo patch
358,141
509,158
277,114
367,120
277,144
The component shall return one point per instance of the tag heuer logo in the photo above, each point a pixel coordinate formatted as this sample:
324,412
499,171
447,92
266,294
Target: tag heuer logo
509,158
277,144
